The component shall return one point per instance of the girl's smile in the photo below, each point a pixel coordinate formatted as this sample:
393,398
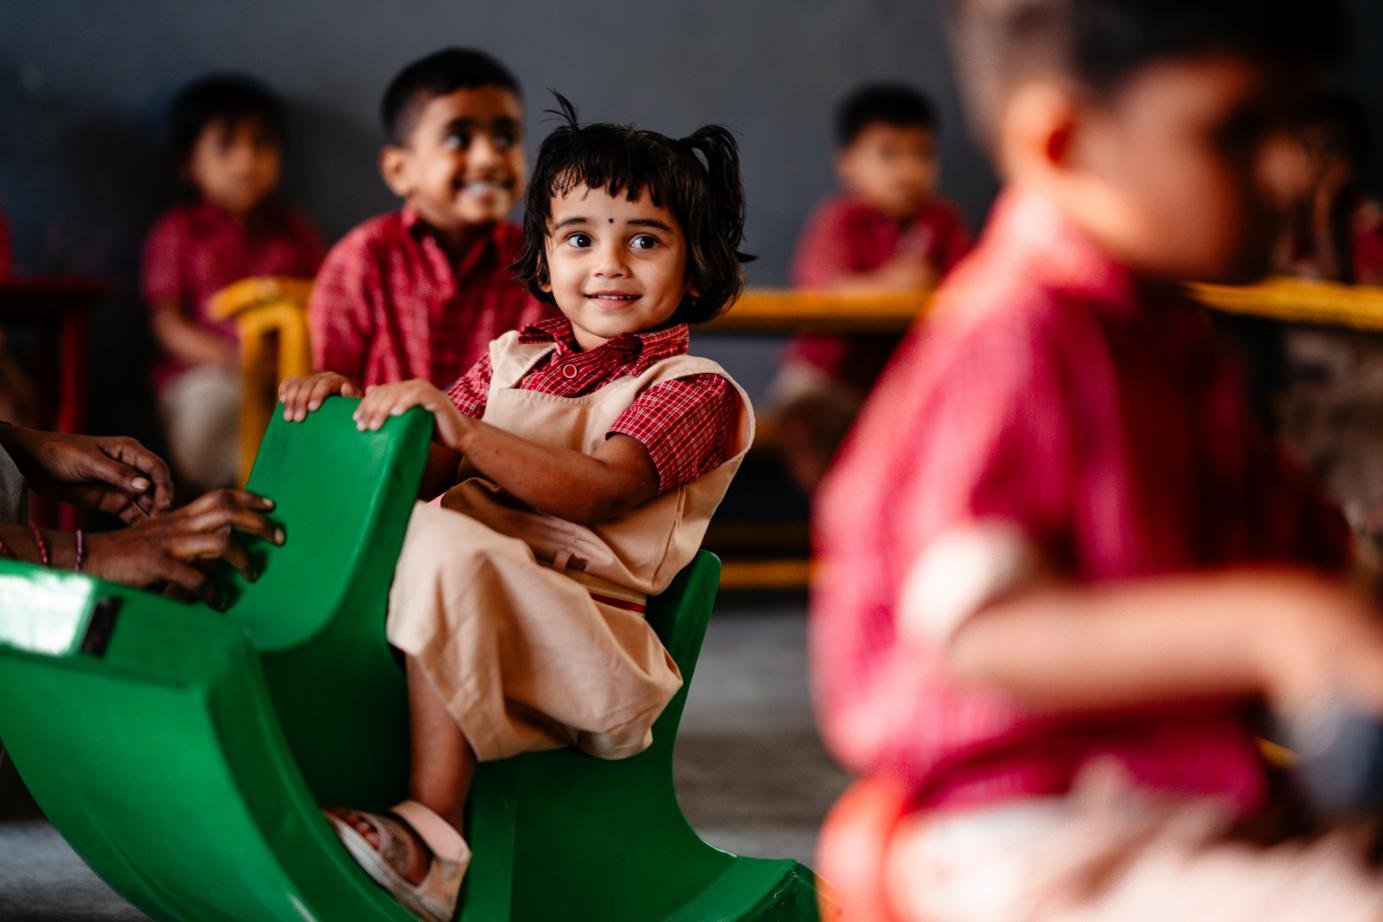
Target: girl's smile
614,265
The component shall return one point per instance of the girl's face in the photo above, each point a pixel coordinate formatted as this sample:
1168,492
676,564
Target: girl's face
614,266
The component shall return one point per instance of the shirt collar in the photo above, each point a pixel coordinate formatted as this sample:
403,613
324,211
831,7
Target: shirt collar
1054,251
417,227
643,348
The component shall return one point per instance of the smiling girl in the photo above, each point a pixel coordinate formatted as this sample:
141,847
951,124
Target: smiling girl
589,453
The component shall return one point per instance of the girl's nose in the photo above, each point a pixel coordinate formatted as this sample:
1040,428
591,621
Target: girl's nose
610,263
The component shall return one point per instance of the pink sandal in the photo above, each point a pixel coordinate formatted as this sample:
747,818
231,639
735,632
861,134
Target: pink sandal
433,900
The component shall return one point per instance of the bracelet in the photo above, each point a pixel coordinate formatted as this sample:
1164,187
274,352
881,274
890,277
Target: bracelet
81,551
39,543
5,548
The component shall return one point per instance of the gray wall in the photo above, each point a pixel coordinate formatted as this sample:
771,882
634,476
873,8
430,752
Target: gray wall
83,86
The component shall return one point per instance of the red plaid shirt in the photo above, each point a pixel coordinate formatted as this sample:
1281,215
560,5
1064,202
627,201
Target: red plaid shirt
197,248
1048,393
847,237
390,304
4,247
689,426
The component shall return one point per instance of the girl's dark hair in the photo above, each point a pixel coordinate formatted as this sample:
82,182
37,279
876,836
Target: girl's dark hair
704,193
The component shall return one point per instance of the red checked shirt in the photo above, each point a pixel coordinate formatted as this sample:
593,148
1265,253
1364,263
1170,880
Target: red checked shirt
197,248
689,426
390,304
4,247
1104,421
847,237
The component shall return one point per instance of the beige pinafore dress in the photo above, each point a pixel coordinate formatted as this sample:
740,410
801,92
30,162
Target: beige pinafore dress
529,626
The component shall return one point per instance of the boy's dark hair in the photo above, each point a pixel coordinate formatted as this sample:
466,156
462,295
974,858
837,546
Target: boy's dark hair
895,104
439,74
232,98
705,195
1344,112
1102,43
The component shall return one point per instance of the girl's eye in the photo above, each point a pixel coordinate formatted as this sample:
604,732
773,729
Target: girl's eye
457,140
580,241
503,140
645,242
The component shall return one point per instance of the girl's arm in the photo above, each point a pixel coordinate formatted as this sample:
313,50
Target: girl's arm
581,488
186,341
1287,635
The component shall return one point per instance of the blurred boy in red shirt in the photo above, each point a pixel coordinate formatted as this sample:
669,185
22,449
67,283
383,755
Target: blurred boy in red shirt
887,232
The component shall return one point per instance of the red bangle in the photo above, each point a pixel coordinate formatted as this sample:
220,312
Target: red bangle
81,552
39,543
5,550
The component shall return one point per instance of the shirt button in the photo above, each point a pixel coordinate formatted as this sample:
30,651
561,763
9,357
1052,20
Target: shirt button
569,371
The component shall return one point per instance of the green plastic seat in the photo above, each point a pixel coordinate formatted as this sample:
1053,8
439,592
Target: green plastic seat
184,752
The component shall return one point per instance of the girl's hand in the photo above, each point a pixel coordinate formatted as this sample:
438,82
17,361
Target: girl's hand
301,396
385,400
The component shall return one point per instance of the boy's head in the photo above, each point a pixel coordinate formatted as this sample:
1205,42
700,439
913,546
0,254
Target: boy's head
227,134
453,125
886,147
654,223
1162,127
1335,136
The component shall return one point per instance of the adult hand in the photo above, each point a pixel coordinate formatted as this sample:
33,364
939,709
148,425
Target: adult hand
112,474
301,396
180,547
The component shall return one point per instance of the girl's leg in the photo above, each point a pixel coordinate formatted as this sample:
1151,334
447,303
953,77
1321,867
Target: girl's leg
443,761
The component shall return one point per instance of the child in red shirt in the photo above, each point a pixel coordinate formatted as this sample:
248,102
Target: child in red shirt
421,292
1059,563
888,232
227,133
593,451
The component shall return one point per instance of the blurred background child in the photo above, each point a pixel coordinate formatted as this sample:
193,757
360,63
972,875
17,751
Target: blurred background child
1059,562
227,134
420,292
888,231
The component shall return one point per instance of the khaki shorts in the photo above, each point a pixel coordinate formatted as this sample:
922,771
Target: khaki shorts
1107,852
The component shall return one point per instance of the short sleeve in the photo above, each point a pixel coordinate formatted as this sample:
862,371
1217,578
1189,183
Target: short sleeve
993,444
471,392
952,240
161,276
991,483
339,313
689,426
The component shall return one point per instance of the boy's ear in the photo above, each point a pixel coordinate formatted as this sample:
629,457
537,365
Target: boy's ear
395,166
1038,130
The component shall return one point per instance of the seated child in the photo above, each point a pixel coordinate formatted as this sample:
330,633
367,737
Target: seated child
421,292
889,232
1059,563
1337,233
593,452
227,135
4,247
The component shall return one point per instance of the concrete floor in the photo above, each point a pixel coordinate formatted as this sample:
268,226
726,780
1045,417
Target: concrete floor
751,773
